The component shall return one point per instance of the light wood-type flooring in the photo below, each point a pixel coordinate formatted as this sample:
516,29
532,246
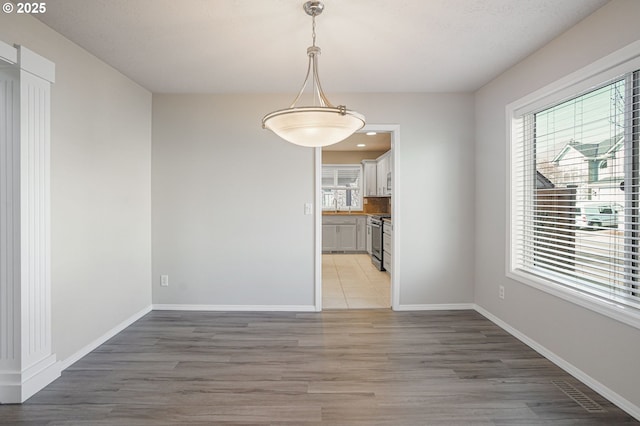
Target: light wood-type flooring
350,281
350,367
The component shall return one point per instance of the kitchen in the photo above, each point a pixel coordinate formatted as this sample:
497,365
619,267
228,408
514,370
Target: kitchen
357,222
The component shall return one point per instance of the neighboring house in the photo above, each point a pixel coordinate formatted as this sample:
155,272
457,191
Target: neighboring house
542,182
595,169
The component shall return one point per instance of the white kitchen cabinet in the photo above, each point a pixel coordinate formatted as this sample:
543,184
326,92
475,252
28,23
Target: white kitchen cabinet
370,178
347,237
387,245
361,233
386,261
369,241
339,238
383,168
343,233
329,238
381,177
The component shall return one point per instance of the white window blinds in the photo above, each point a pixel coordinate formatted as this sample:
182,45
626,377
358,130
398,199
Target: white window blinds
342,187
576,192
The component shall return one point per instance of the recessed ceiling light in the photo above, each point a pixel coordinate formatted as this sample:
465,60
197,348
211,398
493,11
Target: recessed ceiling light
361,145
371,133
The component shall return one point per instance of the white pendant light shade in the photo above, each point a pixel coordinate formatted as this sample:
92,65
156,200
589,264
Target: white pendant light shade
314,126
318,125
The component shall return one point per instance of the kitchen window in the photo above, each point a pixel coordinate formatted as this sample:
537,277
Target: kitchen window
342,187
575,224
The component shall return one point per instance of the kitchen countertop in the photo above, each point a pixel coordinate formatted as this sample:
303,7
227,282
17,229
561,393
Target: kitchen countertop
359,213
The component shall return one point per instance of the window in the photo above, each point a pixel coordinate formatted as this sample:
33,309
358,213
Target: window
342,187
575,189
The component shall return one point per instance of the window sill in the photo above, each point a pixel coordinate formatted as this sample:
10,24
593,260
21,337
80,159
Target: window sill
625,314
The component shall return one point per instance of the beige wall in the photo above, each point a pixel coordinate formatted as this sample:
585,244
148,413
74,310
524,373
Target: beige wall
100,189
599,346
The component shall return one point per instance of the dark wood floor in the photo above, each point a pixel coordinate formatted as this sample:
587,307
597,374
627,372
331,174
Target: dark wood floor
337,367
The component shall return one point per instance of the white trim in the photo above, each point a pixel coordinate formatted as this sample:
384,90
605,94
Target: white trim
318,228
511,136
39,376
34,224
396,213
594,384
594,75
624,314
69,361
27,363
8,53
17,387
436,307
395,208
36,64
235,308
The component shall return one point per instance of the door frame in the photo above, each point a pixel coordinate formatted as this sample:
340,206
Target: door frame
394,130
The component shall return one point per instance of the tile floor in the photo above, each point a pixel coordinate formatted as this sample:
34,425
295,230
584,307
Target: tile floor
350,281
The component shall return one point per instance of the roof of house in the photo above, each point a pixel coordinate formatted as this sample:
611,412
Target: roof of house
593,151
543,182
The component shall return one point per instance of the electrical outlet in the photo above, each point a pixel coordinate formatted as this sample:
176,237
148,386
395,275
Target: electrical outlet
501,292
164,280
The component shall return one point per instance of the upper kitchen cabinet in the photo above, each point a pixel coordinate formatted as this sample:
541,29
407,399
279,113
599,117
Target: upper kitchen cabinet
383,175
370,178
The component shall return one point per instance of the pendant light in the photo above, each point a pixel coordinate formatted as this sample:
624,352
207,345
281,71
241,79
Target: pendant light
318,125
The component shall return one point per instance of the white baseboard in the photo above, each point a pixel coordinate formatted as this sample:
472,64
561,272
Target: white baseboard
241,308
64,364
436,307
603,390
18,386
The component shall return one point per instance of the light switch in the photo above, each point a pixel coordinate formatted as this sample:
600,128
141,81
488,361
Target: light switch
308,208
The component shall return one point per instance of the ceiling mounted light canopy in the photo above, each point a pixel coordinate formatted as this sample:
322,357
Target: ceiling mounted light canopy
321,124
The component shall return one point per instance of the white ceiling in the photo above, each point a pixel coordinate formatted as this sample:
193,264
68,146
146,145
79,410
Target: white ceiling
380,142
231,46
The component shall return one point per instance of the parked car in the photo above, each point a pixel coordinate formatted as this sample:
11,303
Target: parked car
598,215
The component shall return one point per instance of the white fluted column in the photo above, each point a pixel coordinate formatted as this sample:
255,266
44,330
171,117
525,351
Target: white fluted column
27,363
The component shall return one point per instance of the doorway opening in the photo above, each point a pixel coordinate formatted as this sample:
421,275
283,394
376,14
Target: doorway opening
356,187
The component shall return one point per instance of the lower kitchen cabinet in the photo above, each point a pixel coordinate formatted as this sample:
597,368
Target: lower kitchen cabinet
347,238
369,241
386,261
343,233
387,240
329,237
361,233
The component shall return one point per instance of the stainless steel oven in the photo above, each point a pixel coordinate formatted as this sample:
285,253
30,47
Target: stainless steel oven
376,242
